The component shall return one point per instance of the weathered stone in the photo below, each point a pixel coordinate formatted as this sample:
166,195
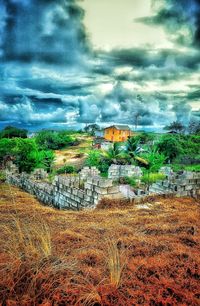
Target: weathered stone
101,190
113,189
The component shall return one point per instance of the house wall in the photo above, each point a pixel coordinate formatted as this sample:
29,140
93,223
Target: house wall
115,135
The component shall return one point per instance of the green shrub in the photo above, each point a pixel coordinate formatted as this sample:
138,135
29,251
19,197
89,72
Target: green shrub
178,167
54,140
155,160
170,146
150,178
128,180
66,169
195,168
26,154
6,147
12,132
2,176
93,158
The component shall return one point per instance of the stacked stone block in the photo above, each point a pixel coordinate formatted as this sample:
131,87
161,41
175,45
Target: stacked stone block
89,172
117,171
39,174
67,192
185,183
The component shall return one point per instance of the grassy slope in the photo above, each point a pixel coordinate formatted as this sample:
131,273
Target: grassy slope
133,255
74,155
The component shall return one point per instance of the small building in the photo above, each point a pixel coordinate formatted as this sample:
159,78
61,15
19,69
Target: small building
101,143
117,133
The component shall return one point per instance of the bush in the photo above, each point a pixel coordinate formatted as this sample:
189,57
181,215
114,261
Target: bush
155,160
179,167
54,140
66,169
93,159
6,147
128,180
144,137
26,154
170,146
12,132
2,176
150,178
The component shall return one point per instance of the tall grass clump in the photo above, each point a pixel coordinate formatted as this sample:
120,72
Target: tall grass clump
115,265
26,239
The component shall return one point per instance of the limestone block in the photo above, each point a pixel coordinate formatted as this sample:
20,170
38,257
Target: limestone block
89,180
80,194
87,198
75,191
105,183
89,192
113,196
188,187
113,189
88,186
101,190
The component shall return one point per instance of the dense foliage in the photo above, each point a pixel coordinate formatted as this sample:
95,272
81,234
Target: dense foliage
149,152
66,169
11,132
26,154
54,140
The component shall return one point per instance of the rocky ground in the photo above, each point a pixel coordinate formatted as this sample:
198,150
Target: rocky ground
118,254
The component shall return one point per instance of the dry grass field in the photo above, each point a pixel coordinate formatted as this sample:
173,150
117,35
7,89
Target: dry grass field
119,254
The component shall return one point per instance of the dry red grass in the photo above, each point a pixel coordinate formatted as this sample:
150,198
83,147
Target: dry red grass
146,254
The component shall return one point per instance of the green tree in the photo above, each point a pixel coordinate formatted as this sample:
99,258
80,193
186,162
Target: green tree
194,127
41,159
144,137
6,147
169,146
155,160
93,158
53,140
92,128
28,156
131,152
175,126
113,154
12,132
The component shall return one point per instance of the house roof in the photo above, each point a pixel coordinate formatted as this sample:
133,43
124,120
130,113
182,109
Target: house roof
119,127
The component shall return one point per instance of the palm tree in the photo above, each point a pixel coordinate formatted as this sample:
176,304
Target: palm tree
113,153
132,152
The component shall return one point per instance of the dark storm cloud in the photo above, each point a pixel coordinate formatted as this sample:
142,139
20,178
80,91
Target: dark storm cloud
194,95
50,78
141,57
181,18
47,31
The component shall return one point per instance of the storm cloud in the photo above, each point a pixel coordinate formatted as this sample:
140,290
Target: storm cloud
38,30
180,18
51,77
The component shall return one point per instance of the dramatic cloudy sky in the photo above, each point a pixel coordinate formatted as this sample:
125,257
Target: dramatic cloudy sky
64,63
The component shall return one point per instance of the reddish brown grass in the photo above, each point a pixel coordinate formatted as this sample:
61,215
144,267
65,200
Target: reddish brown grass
122,255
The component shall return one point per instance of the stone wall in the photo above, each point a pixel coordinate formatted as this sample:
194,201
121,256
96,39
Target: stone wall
89,172
183,183
117,171
88,188
66,192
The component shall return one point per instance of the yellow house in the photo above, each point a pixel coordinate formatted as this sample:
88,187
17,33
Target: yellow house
117,133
